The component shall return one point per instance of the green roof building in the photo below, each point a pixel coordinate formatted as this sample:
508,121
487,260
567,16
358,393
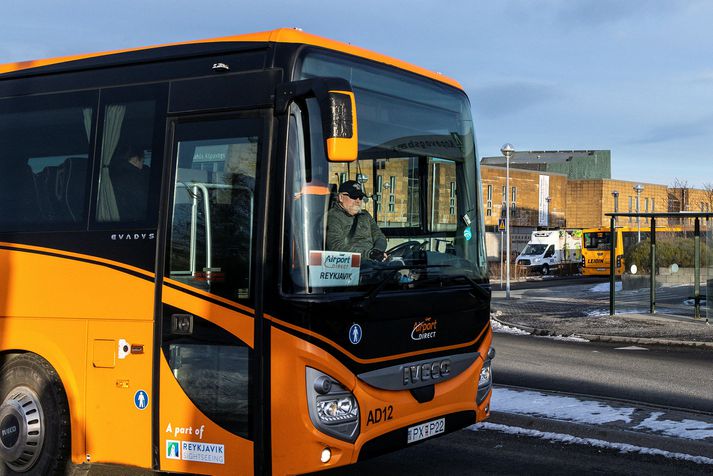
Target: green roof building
576,164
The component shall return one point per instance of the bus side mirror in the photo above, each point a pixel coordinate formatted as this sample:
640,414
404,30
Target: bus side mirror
337,107
340,126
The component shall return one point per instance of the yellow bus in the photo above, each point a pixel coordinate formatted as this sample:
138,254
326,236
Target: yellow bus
167,301
596,247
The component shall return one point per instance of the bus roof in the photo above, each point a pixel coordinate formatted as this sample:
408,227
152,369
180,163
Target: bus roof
282,35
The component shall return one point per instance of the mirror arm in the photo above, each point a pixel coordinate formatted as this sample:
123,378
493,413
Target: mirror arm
319,88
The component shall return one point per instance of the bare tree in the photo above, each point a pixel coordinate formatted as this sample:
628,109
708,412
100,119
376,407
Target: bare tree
708,193
678,195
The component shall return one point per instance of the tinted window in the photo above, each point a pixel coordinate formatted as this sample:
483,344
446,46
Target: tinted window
213,210
45,144
132,137
213,367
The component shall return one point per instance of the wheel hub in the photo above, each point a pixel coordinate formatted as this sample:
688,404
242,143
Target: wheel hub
21,429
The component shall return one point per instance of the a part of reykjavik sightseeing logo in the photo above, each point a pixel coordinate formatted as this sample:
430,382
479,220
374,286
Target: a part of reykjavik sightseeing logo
425,329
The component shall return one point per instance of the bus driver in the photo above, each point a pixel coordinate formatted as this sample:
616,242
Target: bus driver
349,228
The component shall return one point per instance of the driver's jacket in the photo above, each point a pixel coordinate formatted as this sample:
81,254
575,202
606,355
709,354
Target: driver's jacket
365,237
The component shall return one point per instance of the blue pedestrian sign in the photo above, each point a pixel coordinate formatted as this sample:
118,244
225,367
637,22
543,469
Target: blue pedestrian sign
355,334
141,400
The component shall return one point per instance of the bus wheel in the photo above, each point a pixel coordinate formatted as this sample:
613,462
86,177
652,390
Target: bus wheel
34,418
545,270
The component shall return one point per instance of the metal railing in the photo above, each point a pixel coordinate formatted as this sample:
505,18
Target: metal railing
198,191
684,217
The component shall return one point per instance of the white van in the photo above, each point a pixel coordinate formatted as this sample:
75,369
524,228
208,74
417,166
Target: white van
551,249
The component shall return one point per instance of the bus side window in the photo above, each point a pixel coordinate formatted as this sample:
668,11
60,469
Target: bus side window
18,200
46,149
130,156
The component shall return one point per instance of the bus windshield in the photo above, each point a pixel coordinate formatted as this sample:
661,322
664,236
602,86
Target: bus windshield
599,240
417,172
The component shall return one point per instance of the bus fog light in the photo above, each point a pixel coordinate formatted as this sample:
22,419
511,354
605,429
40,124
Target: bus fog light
323,385
326,455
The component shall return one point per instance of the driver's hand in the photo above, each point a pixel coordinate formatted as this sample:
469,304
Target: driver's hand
377,254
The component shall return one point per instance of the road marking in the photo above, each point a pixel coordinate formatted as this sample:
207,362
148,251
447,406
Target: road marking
631,347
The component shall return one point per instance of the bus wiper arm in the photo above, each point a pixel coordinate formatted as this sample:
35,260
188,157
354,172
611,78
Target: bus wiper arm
366,299
482,291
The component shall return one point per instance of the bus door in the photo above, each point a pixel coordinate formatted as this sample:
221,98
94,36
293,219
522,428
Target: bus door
206,405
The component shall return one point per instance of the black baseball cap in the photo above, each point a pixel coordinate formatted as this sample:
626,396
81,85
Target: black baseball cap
351,188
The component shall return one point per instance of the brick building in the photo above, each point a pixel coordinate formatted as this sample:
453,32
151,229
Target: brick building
537,198
589,200
567,191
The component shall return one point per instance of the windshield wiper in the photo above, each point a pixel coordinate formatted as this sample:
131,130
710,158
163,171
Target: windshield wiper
365,300
483,292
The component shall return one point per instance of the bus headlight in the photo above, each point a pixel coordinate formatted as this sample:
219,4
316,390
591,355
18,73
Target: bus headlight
332,408
485,382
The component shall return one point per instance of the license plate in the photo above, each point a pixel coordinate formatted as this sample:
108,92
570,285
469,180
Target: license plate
426,430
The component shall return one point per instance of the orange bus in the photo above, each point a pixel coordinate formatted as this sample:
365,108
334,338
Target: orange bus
167,299
596,247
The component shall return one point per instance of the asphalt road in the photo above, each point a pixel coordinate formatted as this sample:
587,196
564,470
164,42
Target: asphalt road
491,452
664,376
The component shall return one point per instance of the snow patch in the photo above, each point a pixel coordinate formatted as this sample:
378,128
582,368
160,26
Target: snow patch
570,439
689,429
604,287
605,312
557,407
571,338
502,328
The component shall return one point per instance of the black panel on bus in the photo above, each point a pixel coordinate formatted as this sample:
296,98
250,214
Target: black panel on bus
118,70
230,91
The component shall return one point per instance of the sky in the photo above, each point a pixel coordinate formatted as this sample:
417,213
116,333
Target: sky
631,76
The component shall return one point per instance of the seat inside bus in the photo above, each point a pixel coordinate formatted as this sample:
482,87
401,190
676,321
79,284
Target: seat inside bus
60,190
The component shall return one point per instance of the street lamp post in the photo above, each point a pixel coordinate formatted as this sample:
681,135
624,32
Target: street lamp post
548,200
638,188
507,151
615,194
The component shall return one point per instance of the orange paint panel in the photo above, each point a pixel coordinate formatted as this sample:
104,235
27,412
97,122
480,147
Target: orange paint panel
180,421
118,430
374,360
240,325
49,286
208,295
454,395
284,35
297,444
62,343
57,306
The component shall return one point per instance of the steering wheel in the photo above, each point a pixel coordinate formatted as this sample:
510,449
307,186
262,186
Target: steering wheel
405,250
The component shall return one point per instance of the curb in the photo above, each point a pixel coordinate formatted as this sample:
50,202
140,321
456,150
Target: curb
605,432
613,339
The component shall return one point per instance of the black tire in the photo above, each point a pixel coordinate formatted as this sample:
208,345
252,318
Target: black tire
29,381
545,270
